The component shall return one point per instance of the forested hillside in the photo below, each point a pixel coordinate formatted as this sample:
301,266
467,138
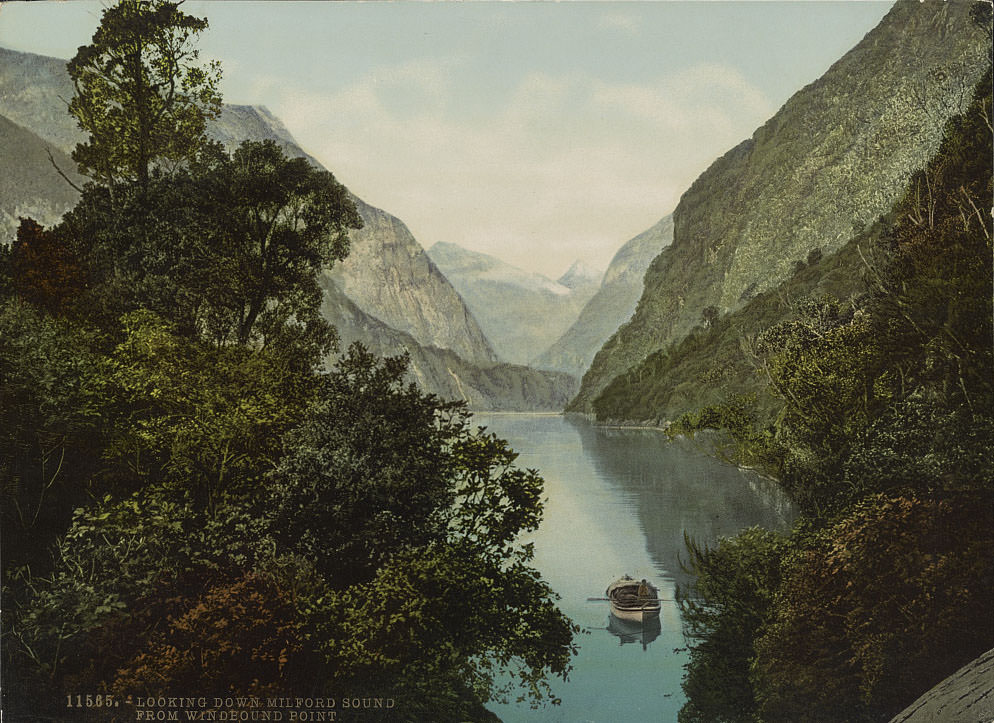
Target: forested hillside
822,170
193,506
883,433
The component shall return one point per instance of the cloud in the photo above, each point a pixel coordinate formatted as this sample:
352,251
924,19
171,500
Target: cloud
568,167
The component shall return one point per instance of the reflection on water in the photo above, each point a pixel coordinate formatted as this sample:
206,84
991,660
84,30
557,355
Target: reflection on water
676,488
620,502
642,632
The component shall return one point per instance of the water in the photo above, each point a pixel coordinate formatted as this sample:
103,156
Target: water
619,502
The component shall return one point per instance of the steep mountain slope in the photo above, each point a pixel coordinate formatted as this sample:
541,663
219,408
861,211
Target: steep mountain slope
29,185
417,300
388,275
519,311
833,159
34,93
611,306
490,387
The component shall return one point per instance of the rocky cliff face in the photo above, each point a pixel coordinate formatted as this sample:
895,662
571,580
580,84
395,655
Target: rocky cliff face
484,387
388,281
520,312
611,306
833,159
389,276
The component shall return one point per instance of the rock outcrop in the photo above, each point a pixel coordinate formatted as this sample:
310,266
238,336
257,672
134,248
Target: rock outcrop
966,696
389,276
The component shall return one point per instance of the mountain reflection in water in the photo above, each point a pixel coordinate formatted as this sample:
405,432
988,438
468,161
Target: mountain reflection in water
619,501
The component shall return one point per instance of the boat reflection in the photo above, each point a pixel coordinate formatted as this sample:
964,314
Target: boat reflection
629,631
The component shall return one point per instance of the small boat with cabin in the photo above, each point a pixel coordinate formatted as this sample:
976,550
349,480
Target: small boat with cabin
633,600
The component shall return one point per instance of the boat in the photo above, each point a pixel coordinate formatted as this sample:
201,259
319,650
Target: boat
626,603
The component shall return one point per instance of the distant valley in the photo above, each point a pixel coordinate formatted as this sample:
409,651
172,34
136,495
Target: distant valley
521,312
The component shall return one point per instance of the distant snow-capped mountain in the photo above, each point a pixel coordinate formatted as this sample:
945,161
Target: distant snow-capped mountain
521,312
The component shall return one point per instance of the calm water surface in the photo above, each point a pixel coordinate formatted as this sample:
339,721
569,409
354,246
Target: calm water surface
619,501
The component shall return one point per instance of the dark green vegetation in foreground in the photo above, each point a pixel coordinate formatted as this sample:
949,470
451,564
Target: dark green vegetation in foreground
192,506
871,399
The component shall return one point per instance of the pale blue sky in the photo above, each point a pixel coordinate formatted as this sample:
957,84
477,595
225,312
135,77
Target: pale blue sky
538,132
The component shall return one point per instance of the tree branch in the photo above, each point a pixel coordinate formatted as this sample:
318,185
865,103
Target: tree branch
59,171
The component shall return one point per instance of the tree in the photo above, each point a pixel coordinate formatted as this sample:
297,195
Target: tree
413,522
228,248
44,270
368,472
238,637
879,607
212,417
723,610
283,221
139,92
54,399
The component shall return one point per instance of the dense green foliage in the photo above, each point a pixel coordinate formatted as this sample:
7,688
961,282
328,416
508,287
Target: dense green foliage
251,279
884,436
192,504
140,96
879,607
734,590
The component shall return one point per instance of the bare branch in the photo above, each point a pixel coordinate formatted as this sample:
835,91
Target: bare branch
59,171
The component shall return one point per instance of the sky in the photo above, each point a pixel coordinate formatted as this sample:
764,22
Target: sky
538,132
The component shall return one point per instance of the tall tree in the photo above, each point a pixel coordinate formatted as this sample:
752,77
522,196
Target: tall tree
140,93
228,247
284,222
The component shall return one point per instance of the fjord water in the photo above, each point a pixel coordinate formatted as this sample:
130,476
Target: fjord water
619,501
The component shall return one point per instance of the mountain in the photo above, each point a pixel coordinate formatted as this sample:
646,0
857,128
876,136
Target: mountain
580,278
519,311
388,275
611,306
491,387
33,89
388,293
29,185
831,161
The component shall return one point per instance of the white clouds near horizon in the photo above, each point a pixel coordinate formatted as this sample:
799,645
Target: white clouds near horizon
539,132
558,156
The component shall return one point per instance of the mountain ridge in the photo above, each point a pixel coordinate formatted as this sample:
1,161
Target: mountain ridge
519,311
611,305
826,165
